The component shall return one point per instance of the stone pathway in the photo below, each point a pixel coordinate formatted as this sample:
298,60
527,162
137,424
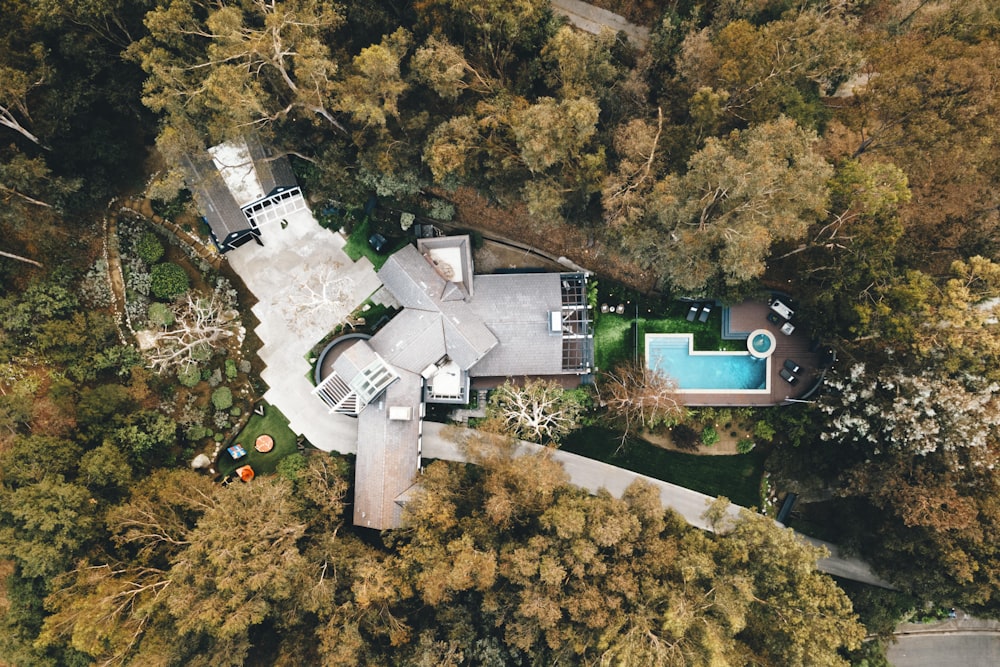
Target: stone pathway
593,19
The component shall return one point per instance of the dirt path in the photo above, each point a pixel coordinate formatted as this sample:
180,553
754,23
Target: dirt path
726,446
115,275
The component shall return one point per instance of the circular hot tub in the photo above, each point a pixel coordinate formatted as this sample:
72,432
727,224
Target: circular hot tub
761,344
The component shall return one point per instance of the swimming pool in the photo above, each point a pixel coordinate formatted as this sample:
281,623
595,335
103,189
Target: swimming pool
700,372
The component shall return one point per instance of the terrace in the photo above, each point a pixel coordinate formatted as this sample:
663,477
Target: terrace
620,336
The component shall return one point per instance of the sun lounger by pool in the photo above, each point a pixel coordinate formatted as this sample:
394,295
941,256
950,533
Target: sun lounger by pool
705,313
692,312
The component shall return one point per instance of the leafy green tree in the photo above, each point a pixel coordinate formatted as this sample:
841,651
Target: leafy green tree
28,459
149,248
44,526
168,280
715,224
220,68
105,468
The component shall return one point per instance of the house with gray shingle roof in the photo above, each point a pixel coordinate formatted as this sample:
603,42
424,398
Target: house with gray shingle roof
455,328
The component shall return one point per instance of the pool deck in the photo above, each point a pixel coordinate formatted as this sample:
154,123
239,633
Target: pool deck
744,318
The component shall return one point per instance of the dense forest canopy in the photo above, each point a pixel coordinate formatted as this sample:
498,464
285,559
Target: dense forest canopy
841,150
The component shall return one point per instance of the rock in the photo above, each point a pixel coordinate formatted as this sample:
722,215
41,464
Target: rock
201,461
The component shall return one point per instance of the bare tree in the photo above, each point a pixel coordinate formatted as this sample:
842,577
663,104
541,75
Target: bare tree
638,396
200,324
537,411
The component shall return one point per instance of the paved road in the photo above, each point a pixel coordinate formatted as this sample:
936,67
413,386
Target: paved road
964,641
593,19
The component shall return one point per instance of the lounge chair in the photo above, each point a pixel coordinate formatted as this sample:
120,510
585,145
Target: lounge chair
706,311
792,366
692,312
787,377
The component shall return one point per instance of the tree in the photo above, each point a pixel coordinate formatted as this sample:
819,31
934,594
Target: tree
224,68
798,615
717,221
779,67
201,324
44,526
912,414
639,397
168,280
538,411
370,92
222,398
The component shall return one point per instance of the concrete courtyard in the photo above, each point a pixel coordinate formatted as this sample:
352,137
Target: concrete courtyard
305,285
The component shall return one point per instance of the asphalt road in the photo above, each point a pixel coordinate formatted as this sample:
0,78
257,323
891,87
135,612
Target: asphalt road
946,649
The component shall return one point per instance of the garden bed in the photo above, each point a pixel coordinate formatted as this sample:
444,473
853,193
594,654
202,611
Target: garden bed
735,477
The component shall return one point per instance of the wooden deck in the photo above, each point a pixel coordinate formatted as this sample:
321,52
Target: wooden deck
747,317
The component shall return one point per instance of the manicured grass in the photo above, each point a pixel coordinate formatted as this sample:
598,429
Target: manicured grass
274,424
735,477
615,342
357,245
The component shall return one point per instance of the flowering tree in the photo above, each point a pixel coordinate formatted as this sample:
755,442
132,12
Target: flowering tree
910,414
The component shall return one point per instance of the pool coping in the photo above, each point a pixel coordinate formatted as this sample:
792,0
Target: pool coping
727,353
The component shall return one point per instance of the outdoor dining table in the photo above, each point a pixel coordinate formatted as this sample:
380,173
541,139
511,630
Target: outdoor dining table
264,444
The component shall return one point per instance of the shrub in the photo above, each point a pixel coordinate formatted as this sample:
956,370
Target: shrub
685,437
290,466
215,379
745,445
168,280
189,376
160,314
197,432
709,436
764,431
222,398
245,366
231,369
149,248
235,411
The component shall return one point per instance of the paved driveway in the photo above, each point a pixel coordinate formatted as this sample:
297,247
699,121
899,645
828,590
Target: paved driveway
593,475
305,285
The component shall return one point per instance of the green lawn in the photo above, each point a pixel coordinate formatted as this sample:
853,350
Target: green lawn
357,245
274,424
614,341
735,477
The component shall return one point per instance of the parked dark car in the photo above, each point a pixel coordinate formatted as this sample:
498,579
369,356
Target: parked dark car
378,243
792,366
787,377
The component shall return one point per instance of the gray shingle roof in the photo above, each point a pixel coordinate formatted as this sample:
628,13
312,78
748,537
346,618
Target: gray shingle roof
411,279
515,308
412,340
273,169
387,461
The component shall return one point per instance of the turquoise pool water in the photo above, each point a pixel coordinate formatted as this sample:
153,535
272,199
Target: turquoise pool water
692,371
761,343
